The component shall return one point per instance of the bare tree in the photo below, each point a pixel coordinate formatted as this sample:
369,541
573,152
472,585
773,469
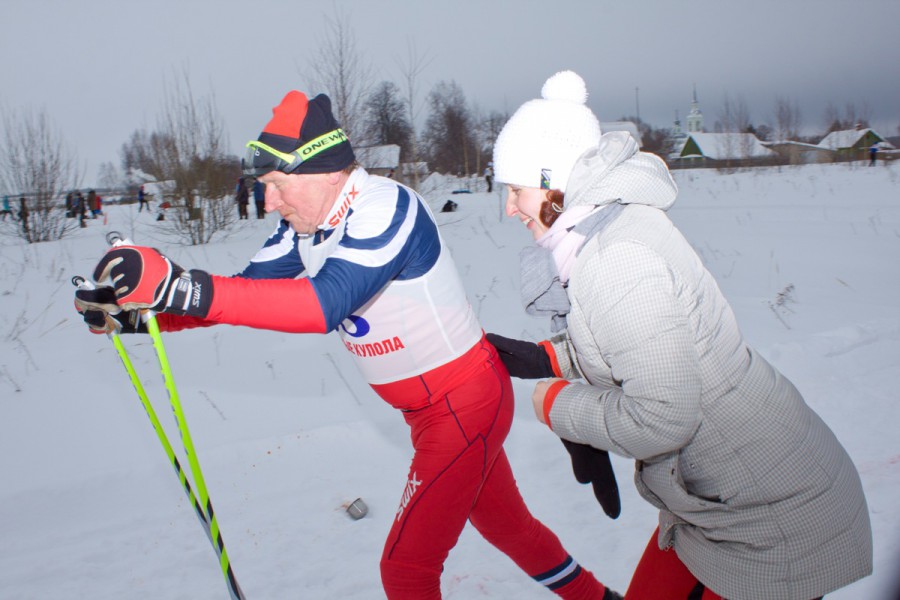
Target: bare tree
787,119
448,138
37,165
832,118
479,138
141,152
762,131
109,176
385,118
414,65
489,127
850,119
860,116
486,128
735,118
188,152
738,114
340,70
727,124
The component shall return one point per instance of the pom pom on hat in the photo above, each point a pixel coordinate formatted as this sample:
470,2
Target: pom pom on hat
565,85
540,143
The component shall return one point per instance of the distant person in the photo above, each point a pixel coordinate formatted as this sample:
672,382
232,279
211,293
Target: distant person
93,203
242,197
23,215
259,198
142,200
80,209
6,212
757,498
489,177
163,207
873,154
70,205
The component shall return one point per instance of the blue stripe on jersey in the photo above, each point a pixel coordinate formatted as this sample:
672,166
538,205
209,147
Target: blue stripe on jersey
345,282
428,242
381,240
278,258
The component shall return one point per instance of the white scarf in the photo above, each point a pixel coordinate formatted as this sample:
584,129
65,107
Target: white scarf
543,287
563,242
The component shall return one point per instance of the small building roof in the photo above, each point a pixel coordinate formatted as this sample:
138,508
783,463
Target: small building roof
798,146
724,146
848,138
379,157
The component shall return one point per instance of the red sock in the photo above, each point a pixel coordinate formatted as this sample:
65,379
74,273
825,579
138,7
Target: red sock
584,587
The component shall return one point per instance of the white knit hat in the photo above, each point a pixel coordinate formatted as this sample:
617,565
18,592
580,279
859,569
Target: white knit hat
539,145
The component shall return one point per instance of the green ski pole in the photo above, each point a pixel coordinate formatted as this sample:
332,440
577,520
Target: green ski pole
81,282
160,432
218,544
193,461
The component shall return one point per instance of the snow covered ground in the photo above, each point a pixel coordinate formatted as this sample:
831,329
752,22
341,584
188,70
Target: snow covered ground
288,434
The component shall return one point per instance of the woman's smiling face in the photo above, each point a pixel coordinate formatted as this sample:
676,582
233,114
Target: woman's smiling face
526,202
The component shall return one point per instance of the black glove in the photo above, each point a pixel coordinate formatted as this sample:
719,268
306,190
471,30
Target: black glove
611,595
143,278
101,313
593,466
525,360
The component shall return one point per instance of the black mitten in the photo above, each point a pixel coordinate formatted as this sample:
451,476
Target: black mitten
593,466
525,360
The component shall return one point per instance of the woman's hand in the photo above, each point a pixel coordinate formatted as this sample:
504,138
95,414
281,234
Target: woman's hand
539,395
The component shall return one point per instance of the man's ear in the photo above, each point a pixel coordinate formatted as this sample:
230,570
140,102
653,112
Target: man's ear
334,178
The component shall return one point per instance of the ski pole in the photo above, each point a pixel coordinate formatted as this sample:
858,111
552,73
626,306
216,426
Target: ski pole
218,544
193,461
114,238
116,340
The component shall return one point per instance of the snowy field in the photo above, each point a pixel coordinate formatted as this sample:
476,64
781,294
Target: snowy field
288,434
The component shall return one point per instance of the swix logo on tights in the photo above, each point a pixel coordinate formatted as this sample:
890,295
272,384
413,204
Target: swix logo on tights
411,486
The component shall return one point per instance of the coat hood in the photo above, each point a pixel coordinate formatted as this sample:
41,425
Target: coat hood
615,171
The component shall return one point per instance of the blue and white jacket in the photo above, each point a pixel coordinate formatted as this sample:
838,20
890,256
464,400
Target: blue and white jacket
379,273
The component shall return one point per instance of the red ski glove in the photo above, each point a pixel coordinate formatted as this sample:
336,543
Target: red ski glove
143,278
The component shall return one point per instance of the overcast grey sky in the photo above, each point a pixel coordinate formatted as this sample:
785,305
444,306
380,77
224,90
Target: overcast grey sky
97,66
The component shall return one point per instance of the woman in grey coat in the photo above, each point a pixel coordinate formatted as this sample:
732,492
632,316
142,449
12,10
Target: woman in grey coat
757,498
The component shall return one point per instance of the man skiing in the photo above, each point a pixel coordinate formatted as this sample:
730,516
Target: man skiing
362,255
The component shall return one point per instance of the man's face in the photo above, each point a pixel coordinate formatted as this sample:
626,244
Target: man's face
302,200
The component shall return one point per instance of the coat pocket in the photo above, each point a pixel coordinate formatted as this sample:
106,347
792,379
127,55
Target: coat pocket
660,482
738,526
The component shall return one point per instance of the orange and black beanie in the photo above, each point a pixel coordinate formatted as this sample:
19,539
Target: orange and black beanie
296,121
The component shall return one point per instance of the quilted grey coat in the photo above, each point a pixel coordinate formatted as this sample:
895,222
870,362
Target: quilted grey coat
756,495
